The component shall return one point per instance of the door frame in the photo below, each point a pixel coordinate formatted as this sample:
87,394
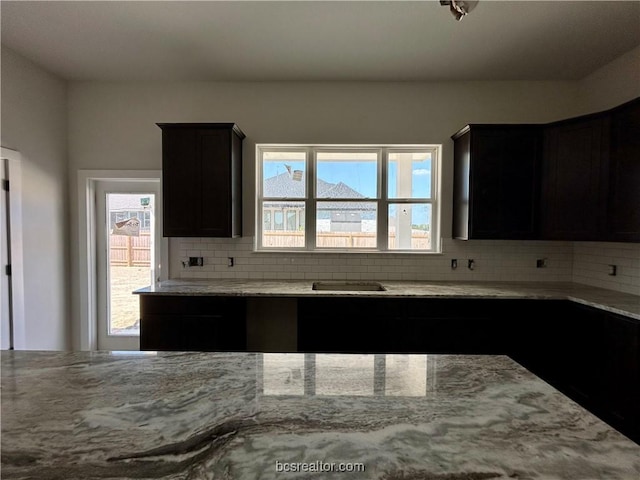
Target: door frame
87,236
14,170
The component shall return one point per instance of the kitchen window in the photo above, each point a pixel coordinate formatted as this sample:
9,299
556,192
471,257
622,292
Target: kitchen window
337,198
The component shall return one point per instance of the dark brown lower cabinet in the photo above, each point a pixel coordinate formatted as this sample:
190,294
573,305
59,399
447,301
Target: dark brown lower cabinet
357,325
192,323
450,326
620,394
347,325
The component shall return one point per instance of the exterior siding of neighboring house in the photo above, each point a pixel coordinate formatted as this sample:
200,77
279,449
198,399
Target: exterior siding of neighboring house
129,244
123,207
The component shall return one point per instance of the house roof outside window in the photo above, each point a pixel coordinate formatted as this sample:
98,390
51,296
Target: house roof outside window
284,186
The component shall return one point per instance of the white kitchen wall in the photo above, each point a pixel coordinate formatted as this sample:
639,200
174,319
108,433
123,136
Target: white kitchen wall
612,84
34,122
591,261
494,261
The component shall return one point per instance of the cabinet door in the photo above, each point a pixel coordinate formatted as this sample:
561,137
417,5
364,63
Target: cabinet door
541,336
621,373
347,325
192,333
181,183
214,150
582,364
192,323
505,178
519,177
486,184
623,208
571,199
459,326
496,182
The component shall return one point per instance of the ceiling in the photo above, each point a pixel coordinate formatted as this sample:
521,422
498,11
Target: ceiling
317,41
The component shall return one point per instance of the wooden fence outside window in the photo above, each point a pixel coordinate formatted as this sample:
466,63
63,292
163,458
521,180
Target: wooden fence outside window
283,239
126,251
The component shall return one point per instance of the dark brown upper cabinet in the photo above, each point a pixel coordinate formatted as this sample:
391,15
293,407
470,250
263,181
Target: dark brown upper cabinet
496,178
201,179
623,193
577,179
573,170
591,177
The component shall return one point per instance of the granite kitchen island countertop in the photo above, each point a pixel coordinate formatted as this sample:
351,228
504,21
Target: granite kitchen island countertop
236,415
609,300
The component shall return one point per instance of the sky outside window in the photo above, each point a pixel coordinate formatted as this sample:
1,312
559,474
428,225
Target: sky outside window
357,170
419,182
283,174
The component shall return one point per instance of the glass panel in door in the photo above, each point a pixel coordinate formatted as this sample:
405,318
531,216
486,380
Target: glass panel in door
130,258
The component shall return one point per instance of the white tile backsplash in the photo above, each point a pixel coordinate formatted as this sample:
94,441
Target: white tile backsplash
591,262
494,261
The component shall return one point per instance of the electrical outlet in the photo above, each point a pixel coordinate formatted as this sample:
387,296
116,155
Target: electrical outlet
454,263
613,270
541,263
471,264
230,262
196,261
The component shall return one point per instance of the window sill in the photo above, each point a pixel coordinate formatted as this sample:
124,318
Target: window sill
346,252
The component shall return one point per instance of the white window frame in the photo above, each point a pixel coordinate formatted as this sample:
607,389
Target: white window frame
382,200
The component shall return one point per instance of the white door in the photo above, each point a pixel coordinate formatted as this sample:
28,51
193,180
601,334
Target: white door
128,252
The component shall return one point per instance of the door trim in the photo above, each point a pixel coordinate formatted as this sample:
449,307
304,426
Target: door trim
14,167
88,288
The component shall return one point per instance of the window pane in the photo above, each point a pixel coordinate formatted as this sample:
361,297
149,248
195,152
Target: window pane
283,224
409,226
266,220
347,175
129,257
409,175
278,220
292,224
283,174
346,225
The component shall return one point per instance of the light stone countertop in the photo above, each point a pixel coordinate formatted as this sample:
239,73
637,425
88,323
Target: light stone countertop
98,415
609,300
